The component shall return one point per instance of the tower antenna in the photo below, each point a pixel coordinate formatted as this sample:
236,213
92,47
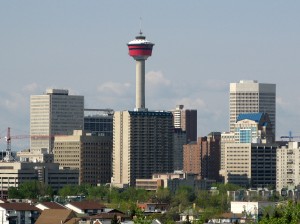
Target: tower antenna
141,26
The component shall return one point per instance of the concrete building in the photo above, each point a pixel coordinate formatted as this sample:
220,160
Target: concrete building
203,157
288,166
250,165
226,137
53,113
250,208
179,140
42,156
249,96
15,173
142,145
91,155
173,181
253,128
99,122
186,119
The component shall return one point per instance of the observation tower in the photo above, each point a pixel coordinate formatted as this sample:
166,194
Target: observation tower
140,49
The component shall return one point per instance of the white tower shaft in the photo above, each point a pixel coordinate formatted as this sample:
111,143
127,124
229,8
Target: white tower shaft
140,86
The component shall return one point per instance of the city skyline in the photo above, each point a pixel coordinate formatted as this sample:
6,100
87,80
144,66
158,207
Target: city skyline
82,47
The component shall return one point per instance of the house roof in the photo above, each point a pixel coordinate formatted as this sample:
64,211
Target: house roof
55,216
52,205
19,206
83,205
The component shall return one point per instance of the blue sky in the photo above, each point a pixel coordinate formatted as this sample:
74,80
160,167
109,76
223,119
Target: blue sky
200,47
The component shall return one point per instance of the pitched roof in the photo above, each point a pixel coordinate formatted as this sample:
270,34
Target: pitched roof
250,116
52,205
19,206
83,205
55,216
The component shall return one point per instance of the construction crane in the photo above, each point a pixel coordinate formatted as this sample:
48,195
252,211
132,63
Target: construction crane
290,137
8,157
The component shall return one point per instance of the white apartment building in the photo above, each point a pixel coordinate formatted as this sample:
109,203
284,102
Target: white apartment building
142,145
249,96
54,113
288,166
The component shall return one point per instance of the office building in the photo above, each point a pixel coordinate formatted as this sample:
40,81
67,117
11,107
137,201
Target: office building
186,119
91,155
99,122
250,164
142,145
203,157
288,166
15,173
53,113
249,96
226,137
179,140
253,128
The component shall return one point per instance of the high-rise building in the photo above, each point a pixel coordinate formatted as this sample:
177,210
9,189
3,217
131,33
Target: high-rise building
179,140
250,164
288,166
142,145
249,96
186,119
99,121
91,155
53,113
203,157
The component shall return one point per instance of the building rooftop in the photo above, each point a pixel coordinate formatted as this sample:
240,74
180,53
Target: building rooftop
250,116
52,205
19,206
83,205
55,216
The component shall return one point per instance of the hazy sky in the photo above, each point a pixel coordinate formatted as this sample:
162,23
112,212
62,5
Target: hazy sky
200,47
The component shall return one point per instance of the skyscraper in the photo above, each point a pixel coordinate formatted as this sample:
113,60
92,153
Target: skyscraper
142,145
249,96
186,119
54,113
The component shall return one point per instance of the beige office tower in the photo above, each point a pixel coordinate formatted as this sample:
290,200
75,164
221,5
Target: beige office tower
226,137
91,155
142,145
249,96
288,166
53,113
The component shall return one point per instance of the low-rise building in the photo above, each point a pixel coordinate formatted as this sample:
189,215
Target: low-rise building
86,207
18,213
15,173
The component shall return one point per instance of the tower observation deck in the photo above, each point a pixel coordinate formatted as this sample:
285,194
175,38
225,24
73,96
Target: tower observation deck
140,49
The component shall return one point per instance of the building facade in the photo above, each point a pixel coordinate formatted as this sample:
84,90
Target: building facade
54,113
186,119
91,155
179,139
99,122
15,173
250,165
253,128
142,145
288,166
203,157
249,96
